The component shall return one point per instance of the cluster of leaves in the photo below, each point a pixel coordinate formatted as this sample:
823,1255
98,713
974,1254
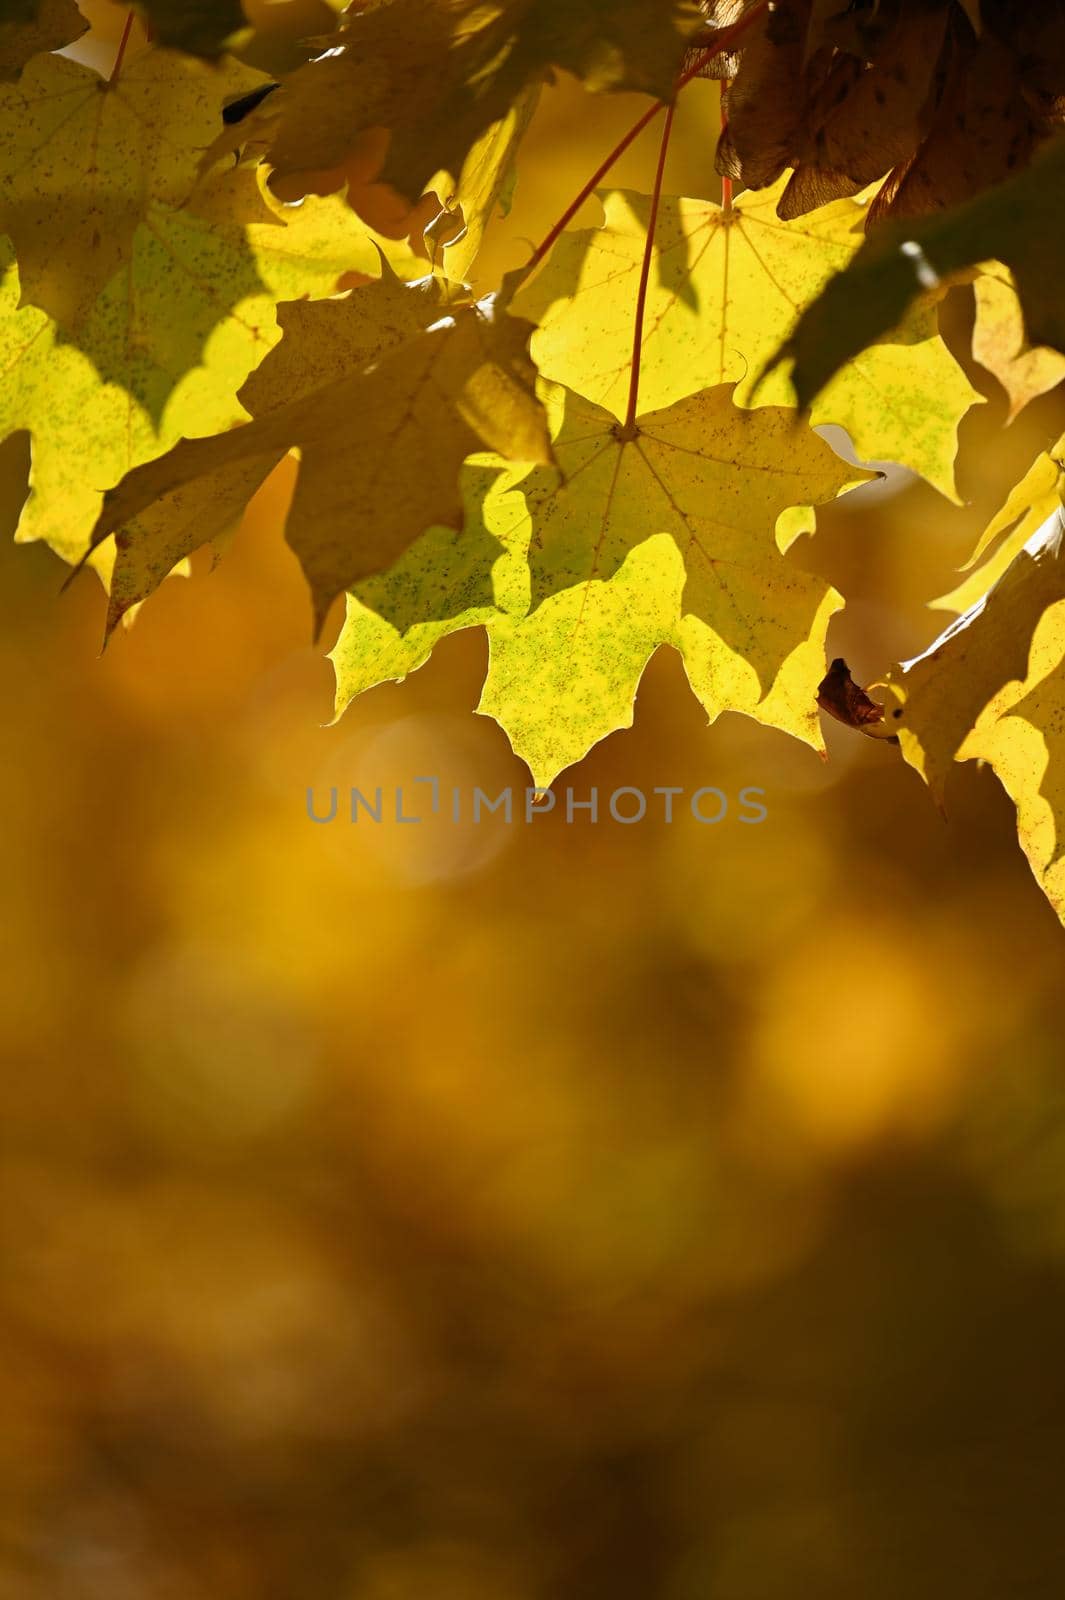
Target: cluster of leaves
614,448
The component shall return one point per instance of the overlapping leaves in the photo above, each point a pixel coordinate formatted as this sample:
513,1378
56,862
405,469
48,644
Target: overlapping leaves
164,347
170,330
1020,223
667,536
384,393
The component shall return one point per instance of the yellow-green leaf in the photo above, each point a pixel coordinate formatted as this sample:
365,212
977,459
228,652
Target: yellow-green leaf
448,580
1019,222
163,350
83,160
671,536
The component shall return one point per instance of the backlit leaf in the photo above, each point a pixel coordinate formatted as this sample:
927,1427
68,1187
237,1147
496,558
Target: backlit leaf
992,688
83,160
1020,223
667,537
1026,509
163,350
724,294
999,342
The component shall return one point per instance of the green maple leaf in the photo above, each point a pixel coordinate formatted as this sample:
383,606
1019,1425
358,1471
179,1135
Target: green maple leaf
385,393
83,161
165,347
992,688
1020,222
36,28
439,73
724,294
675,535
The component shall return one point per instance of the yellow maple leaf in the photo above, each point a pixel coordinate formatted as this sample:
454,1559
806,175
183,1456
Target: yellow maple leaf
1026,508
1021,735
487,175
1017,222
1000,343
725,292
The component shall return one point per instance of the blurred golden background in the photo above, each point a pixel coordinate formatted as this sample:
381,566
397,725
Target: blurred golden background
532,1213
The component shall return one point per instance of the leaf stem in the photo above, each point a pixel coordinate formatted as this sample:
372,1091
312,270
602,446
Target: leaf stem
728,36
122,43
587,189
629,427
